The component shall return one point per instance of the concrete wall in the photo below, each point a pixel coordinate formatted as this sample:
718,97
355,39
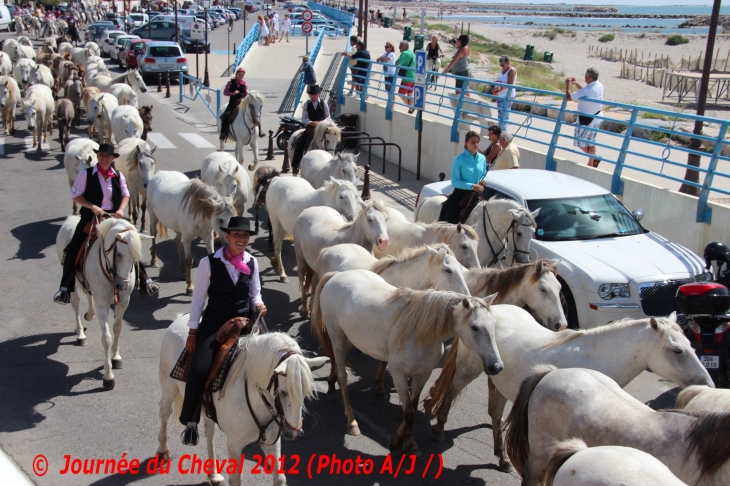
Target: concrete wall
666,212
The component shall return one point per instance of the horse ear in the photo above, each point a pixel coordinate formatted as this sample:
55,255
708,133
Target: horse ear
490,298
316,362
535,212
153,150
281,369
466,303
146,237
459,229
673,316
654,323
78,158
432,250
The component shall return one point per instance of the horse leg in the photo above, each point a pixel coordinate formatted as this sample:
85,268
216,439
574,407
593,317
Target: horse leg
153,234
255,148
339,351
186,243
239,151
305,275
278,241
119,310
271,235
275,450
133,207
401,386
180,253
209,242
417,384
379,387
106,342
209,426
91,313
235,446
143,210
169,393
497,402
80,336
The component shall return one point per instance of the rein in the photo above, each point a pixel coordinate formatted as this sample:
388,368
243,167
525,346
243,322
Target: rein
251,128
512,228
110,271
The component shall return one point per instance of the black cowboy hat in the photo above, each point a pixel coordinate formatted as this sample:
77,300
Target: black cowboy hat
314,89
107,148
239,223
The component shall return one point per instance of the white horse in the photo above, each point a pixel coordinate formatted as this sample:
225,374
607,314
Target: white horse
222,171
38,106
702,398
495,220
41,74
554,405
10,47
81,55
99,115
318,166
65,47
125,94
620,350
403,327
261,362
6,65
9,99
25,41
245,127
22,71
191,209
462,239
573,463
131,77
25,52
326,137
79,156
287,197
138,164
110,274
126,123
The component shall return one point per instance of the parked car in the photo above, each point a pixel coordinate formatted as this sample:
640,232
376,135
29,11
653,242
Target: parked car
329,30
188,44
97,29
610,266
237,11
107,40
134,20
161,57
130,53
119,43
157,30
116,19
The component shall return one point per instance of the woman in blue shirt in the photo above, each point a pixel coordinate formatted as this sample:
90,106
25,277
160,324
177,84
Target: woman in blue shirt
467,176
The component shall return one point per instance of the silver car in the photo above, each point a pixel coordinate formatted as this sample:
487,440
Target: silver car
161,57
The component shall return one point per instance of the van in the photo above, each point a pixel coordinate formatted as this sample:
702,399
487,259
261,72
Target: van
5,18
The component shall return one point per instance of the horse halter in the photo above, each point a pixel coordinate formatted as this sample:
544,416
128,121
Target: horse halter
255,117
110,271
277,410
512,228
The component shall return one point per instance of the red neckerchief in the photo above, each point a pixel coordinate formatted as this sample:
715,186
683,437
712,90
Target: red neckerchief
105,173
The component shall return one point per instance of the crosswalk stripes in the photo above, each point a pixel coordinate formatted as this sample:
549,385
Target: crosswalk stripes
155,138
197,140
161,141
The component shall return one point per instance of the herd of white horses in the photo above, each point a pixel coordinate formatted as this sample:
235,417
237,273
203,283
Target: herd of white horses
396,290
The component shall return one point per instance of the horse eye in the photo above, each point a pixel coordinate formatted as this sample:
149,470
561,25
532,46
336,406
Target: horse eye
342,197
464,246
474,327
282,394
519,233
678,351
447,270
370,219
543,290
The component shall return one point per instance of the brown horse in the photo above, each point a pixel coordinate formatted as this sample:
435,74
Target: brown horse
261,180
146,113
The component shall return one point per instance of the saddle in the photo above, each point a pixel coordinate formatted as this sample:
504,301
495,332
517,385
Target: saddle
80,258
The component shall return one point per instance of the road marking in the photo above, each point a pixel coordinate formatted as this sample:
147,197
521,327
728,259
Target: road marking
196,140
29,145
2,146
161,141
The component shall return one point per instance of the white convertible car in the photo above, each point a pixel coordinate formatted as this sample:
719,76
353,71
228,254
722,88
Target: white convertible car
610,266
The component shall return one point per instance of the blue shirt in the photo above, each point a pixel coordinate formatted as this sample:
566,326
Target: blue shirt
467,170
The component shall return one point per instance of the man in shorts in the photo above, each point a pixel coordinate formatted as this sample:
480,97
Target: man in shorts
406,59
589,112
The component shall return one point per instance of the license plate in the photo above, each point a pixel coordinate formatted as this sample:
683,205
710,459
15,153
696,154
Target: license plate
711,362
166,66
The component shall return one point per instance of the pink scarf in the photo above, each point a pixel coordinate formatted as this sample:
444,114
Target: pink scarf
105,173
236,261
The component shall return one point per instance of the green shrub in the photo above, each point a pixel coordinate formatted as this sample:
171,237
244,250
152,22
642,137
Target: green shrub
606,38
676,39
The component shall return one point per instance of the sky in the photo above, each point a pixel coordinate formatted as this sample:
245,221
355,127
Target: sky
636,3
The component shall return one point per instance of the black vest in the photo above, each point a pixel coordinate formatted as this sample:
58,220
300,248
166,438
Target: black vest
315,114
95,196
235,86
225,300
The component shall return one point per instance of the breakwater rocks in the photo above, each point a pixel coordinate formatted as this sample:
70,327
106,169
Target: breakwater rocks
704,21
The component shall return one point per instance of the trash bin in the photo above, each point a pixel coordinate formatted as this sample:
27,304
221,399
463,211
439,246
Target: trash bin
386,22
347,142
407,32
529,51
547,57
349,120
418,44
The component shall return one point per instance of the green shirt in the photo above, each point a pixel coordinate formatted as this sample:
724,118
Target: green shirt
407,59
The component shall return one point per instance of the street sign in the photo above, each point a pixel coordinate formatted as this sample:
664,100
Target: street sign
197,32
307,15
419,96
420,79
420,63
307,27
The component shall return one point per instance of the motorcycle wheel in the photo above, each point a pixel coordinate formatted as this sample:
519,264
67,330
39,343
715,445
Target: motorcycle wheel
282,139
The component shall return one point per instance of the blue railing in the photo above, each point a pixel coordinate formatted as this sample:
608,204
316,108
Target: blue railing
647,140
248,41
196,87
312,58
333,13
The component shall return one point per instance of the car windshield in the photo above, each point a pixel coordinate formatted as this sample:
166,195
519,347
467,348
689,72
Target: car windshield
583,218
136,16
164,51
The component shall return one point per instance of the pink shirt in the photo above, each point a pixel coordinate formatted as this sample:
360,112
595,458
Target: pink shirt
79,187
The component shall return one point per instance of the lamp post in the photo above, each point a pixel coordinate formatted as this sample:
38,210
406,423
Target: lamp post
177,26
206,6
149,20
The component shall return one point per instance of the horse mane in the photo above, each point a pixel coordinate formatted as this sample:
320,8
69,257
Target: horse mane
132,237
494,200
409,254
426,314
331,188
709,440
204,201
364,211
569,335
446,230
133,161
508,279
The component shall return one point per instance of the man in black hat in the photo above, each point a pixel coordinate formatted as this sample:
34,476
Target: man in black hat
314,112
99,190
229,280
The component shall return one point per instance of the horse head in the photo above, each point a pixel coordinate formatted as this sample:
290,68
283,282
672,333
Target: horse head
4,92
31,114
263,177
145,112
347,202
523,230
446,272
475,327
93,111
227,178
348,166
85,161
374,218
145,160
464,242
135,80
540,291
329,137
255,105
121,246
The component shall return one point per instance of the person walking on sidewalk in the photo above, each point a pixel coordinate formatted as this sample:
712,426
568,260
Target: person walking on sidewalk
406,59
285,26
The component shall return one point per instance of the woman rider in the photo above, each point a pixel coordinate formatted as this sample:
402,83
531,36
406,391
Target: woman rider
467,176
229,279
237,89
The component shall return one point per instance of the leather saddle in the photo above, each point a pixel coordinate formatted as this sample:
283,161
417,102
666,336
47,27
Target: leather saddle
80,258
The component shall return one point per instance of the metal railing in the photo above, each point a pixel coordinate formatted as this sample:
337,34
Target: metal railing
312,59
333,13
196,87
647,140
248,41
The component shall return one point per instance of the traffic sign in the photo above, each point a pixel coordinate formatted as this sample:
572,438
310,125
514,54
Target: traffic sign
307,27
420,79
197,31
419,97
420,63
307,15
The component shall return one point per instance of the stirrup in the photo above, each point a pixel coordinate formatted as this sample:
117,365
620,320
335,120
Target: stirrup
62,297
190,435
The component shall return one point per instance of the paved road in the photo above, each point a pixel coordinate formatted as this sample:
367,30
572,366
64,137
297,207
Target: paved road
53,402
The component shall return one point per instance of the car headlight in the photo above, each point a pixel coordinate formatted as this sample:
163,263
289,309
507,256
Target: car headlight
611,290
704,277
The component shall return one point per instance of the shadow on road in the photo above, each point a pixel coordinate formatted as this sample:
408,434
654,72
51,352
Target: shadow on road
35,237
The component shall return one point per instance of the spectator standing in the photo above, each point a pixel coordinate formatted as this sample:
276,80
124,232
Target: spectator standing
408,76
309,76
361,66
380,18
589,117
433,58
459,64
353,50
389,59
509,157
494,148
507,75
405,16
274,27
285,26
263,31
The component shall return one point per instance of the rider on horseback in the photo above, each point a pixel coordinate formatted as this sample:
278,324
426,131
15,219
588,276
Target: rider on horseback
229,280
313,113
468,172
237,89
99,190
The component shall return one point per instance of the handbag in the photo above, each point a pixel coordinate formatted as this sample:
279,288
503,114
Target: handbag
585,119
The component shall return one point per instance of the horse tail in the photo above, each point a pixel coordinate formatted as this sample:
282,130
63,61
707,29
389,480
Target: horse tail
516,427
161,230
687,395
436,400
319,331
559,454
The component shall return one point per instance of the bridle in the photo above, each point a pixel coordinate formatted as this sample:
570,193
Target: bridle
254,117
110,271
503,241
326,132
276,410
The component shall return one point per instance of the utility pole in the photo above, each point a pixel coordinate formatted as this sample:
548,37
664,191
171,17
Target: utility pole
695,143
206,79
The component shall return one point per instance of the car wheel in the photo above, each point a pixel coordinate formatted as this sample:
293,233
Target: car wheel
568,304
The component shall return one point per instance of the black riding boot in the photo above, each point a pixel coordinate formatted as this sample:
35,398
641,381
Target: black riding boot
68,280
146,285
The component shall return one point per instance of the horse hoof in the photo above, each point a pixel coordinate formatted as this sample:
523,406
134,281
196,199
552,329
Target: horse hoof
152,264
382,394
505,466
353,430
88,316
108,384
394,449
189,292
438,435
414,451
284,279
164,456
81,342
116,364
217,479
250,167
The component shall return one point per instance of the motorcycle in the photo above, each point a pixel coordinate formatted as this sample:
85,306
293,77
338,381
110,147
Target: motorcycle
287,126
705,315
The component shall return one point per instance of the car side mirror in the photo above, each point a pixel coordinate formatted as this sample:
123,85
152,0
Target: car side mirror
638,214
